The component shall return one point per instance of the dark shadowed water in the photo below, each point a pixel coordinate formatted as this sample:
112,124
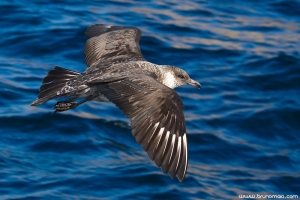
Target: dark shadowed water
243,125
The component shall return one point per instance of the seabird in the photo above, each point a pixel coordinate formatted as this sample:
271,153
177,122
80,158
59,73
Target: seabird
117,72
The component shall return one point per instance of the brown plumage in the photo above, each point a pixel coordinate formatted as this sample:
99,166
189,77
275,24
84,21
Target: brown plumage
117,72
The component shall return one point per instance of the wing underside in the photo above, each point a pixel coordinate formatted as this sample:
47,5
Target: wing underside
157,120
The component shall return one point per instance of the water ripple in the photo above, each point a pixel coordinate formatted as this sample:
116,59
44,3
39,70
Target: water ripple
243,125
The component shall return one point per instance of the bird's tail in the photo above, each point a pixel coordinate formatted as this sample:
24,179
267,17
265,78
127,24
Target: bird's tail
55,80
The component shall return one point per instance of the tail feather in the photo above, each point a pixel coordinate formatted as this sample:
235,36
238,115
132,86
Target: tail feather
49,88
55,80
59,74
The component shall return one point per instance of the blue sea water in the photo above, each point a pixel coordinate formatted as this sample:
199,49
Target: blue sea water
243,125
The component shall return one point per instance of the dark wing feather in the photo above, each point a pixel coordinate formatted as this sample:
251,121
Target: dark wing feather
109,45
157,120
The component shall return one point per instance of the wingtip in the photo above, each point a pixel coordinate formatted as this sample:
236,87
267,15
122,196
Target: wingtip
96,29
180,177
180,180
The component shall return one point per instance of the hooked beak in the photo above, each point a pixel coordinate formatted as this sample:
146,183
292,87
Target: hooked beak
194,83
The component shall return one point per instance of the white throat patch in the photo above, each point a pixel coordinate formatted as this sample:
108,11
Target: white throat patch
169,80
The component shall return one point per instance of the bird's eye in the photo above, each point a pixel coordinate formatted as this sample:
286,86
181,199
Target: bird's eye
180,76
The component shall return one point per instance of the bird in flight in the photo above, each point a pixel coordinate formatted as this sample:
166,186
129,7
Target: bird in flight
117,72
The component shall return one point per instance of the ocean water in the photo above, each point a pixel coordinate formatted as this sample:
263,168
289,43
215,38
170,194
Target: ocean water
243,125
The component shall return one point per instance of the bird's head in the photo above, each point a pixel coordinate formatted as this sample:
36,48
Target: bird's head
174,77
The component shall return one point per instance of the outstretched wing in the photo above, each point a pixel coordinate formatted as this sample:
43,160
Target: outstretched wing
110,45
157,120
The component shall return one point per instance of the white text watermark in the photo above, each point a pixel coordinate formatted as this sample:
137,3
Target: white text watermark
267,196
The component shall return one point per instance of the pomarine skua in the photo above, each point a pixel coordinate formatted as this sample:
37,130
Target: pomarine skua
118,72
